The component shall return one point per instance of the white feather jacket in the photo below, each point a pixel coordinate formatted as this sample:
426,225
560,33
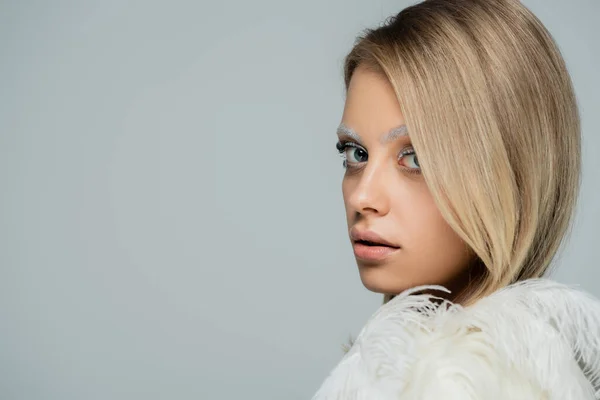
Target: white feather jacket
536,339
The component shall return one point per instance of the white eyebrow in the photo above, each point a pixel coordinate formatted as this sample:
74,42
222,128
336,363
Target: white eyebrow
344,130
393,134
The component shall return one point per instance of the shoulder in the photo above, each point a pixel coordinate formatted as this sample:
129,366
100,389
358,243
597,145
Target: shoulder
534,339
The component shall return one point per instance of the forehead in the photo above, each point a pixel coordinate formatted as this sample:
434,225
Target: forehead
371,106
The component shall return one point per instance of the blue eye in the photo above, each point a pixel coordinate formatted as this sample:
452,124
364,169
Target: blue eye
352,153
411,156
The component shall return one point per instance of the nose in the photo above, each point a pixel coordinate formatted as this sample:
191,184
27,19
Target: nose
370,192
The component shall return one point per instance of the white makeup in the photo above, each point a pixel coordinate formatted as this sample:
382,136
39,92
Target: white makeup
393,134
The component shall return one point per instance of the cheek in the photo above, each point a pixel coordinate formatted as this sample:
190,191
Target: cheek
416,215
346,195
429,241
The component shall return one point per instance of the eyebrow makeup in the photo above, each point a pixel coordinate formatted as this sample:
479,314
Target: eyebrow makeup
393,134
344,130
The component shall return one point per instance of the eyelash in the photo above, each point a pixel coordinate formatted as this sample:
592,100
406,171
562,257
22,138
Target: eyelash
343,146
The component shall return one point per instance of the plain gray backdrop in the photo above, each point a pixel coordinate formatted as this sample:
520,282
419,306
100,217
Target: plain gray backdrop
171,217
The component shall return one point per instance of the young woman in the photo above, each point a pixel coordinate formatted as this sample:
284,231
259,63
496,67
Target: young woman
460,140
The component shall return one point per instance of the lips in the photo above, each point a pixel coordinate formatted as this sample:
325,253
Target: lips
378,253
370,246
370,238
368,243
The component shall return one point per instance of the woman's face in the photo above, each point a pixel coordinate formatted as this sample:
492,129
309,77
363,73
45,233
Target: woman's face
385,194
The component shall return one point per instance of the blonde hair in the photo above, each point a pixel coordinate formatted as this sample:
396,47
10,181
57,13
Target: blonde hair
493,117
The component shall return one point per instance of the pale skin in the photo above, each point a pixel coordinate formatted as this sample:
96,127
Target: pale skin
385,192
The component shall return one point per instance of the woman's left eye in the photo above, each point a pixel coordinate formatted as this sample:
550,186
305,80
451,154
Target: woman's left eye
411,156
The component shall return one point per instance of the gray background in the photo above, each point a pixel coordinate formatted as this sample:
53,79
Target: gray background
171,219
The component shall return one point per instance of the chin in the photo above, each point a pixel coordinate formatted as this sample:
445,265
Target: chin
378,281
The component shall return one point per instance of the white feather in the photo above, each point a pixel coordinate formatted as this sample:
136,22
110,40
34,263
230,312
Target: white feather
536,339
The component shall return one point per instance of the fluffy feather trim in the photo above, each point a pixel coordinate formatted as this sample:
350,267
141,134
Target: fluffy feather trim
535,339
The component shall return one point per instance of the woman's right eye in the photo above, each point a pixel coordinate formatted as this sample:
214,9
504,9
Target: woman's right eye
352,153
